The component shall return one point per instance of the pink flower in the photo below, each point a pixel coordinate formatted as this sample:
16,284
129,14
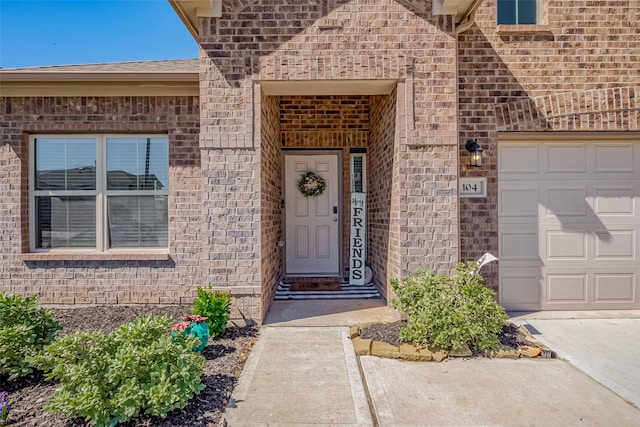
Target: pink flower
180,326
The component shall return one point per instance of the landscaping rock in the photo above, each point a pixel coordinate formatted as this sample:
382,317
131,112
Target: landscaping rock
382,349
529,351
463,351
354,331
413,354
361,346
505,352
438,353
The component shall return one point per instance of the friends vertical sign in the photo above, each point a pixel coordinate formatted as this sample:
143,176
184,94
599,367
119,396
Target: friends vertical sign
357,247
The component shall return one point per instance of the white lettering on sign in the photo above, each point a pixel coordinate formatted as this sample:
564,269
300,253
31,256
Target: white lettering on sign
473,187
357,241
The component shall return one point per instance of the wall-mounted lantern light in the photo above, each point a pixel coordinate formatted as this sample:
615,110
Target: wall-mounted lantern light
474,148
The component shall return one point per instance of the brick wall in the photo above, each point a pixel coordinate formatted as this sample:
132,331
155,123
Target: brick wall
383,249
309,40
271,189
579,71
102,279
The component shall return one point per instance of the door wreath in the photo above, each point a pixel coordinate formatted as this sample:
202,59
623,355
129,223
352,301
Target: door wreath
311,184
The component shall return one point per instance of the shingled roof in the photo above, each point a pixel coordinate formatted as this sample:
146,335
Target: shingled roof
164,66
156,78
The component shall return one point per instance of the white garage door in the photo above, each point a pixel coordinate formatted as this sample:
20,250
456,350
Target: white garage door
569,224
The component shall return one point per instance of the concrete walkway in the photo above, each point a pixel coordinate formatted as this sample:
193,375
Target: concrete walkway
309,376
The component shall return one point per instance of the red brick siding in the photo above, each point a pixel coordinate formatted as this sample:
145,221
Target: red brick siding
271,188
383,251
578,73
306,40
102,279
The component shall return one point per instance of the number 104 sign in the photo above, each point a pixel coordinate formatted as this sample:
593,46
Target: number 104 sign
473,187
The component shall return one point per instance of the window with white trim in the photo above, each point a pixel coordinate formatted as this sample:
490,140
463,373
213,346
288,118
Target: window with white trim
518,12
99,192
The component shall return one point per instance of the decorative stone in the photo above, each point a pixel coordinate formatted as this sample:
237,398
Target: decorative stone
354,331
524,331
361,346
382,349
438,353
463,351
528,351
413,354
506,352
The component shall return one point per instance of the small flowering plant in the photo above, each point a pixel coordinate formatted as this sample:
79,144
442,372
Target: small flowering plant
4,408
195,325
311,184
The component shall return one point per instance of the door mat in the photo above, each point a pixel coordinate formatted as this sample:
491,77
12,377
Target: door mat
315,286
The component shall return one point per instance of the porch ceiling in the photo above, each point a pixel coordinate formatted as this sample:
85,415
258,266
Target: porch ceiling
328,87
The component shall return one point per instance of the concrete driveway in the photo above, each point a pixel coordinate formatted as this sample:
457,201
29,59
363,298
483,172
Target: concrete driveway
607,350
303,372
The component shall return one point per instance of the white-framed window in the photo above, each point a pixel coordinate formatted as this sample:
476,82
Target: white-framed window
518,12
99,192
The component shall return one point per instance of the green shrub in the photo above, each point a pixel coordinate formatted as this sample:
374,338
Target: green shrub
216,307
137,368
449,311
25,328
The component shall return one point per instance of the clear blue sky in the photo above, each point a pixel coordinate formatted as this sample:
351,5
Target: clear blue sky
49,32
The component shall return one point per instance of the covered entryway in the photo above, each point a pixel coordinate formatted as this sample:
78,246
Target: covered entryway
569,222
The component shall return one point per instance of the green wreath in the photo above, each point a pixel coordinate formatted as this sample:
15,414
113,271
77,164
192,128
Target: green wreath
311,184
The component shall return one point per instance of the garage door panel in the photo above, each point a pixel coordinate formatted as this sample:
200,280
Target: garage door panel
519,245
564,158
583,205
614,200
565,201
518,159
520,288
566,288
565,245
616,158
518,202
615,287
615,244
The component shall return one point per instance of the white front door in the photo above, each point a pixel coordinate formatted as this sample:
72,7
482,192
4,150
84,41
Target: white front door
312,223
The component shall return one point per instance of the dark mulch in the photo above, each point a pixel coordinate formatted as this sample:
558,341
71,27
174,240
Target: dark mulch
390,333
225,356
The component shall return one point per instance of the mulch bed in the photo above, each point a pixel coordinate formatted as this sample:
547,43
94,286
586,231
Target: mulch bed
390,333
225,356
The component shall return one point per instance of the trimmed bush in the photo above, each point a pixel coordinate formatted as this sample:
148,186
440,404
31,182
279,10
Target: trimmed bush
449,311
216,307
25,328
109,378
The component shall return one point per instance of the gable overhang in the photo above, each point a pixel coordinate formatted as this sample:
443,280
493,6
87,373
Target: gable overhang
190,10
47,83
461,9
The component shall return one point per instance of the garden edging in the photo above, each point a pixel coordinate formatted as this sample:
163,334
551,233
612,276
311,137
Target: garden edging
532,348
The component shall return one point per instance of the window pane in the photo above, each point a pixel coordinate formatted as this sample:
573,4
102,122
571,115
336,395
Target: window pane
527,12
523,12
506,12
65,222
137,163
138,221
65,164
